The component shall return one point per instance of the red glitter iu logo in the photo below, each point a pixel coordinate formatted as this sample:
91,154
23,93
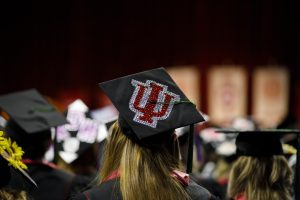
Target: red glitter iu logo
151,102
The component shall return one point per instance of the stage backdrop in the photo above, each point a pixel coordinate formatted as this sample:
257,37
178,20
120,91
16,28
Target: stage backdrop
270,92
188,79
227,93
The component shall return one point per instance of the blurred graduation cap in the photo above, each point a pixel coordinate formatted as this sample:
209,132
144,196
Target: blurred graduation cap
151,103
105,113
103,128
222,144
11,161
75,138
263,143
30,111
105,116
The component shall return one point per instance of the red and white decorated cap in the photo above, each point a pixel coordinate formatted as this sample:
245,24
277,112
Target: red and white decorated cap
150,103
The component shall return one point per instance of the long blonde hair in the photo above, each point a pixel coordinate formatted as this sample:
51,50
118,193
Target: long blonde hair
265,178
11,194
145,173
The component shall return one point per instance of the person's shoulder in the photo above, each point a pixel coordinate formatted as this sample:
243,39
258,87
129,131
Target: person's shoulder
49,170
198,192
106,190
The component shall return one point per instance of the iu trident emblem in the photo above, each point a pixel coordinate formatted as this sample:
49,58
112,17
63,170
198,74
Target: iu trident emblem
151,102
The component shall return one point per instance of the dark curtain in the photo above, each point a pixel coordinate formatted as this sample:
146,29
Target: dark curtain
72,45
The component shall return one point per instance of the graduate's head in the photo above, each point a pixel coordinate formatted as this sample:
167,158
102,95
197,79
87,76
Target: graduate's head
137,159
142,142
31,118
120,147
149,104
261,178
261,170
34,145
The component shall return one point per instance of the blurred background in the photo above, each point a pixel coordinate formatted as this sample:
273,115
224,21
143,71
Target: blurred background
232,58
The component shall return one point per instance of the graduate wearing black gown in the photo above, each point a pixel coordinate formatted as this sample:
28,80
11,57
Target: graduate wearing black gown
31,118
141,156
110,190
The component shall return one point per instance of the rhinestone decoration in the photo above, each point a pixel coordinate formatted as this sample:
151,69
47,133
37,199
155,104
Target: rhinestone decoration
151,101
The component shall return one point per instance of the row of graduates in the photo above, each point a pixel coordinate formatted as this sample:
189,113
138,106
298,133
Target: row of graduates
141,158
261,162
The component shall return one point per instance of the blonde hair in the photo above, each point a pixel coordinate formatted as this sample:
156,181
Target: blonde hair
145,173
265,178
10,194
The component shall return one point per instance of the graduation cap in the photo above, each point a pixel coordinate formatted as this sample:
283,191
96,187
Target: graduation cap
75,138
150,103
11,160
30,111
105,116
264,143
103,128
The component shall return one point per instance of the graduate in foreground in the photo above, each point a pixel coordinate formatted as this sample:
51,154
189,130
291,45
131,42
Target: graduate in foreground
141,159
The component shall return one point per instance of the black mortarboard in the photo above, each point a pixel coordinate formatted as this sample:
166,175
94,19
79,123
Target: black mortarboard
75,138
150,103
31,111
259,143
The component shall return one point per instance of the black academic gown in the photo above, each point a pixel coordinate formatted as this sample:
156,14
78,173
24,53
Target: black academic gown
53,183
110,190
